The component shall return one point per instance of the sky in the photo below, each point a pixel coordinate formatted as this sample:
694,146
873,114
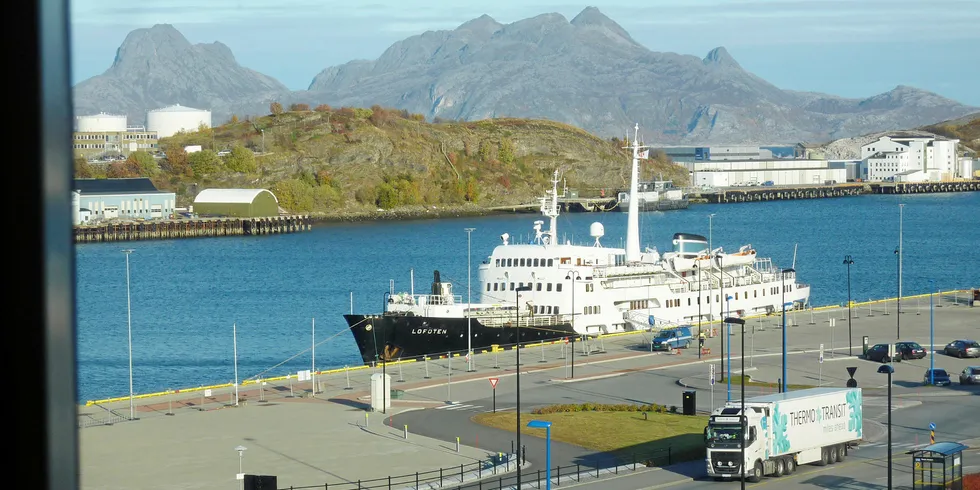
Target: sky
851,48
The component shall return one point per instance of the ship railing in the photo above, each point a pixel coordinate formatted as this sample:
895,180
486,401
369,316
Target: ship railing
525,320
428,299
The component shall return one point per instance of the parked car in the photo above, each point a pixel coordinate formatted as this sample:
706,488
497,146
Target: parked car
962,348
879,353
970,376
939,377
910,350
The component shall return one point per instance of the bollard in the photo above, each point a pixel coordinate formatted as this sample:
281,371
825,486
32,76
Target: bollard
457,444
425,360
401,377
406,431
347,375
262,391
916,305
201,408
871,312
496,365
366,419
170,411
542,352
290,378
886,310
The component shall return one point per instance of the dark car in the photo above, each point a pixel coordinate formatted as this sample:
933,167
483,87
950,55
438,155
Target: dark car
879,353
910,350
962,348
939,377
970,376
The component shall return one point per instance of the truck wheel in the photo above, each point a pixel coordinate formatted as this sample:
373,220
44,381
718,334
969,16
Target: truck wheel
780,467
823,457
790,465
841,452
833,455
757,474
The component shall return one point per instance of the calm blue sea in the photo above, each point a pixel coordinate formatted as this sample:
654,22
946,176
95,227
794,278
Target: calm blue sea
187,294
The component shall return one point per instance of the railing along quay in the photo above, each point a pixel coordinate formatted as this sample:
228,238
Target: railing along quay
189,228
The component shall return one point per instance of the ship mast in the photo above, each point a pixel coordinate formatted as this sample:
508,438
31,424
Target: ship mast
550,210
633,220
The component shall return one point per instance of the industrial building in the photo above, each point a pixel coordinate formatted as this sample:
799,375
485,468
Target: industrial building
127,199
761,172
897,156
168,121
108,135
242,203
687,154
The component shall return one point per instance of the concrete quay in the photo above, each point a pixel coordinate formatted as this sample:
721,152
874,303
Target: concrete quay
186,438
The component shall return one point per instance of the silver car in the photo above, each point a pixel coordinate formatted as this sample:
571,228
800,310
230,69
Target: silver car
962,348
970,376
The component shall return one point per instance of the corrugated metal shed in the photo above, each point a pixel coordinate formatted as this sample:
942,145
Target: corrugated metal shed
251,203
240,196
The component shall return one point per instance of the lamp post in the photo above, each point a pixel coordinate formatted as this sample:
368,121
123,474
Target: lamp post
698,269
544,424
469,328
129,329
711,286
728,336
742,417
517,349
783,274
848,261
241,454
901,215
888,369
573,275
898,315
234,343
932,340
721,314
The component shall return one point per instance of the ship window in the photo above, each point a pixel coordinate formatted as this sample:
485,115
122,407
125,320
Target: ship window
535,262
488,286
511,286
508,262
736,294
539,286
549,286
717,298
494,286
556,310
551,262
558,287
497,263
549,310
755,294
522,263
688,301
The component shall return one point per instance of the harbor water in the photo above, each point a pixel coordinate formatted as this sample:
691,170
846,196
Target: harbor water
188,295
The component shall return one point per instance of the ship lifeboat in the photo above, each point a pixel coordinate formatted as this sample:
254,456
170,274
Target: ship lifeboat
744,256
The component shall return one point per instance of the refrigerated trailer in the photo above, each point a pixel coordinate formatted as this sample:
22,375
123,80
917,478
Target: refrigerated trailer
782,431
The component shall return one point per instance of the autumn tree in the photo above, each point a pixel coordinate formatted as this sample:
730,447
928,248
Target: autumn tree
177,162
144,162
322,108
506,151
123,170
205,162
241,159
379,116
299,107
275,108
82,169
233,119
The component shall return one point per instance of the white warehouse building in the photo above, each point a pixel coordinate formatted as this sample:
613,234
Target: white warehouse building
895,156
758,172
168,121
100,123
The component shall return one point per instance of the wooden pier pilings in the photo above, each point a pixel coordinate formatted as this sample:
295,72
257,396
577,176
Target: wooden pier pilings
756,194
925,187
114,231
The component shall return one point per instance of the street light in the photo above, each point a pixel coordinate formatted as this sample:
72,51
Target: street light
241,473
517,349
469,328
129,328
573,275
783,274
544,424
711,287
744,419
721,314
901,215
932,340
847,261
898,316
728,336
698,269
889,370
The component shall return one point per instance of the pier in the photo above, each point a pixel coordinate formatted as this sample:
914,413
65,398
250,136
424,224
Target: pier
189,228
925,187
755,194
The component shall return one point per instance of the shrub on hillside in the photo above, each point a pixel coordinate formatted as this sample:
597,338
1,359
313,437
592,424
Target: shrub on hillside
600,407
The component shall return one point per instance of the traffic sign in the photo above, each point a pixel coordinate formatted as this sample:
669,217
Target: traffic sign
493,382
821,353
932,426
711,373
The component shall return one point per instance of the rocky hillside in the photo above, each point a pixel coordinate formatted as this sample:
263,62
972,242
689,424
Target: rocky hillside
966,129
158,67
337,162
588,72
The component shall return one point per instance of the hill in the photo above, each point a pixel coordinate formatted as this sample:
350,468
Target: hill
587,72
351,161
966,129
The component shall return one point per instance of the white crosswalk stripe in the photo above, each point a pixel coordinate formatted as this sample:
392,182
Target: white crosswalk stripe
459,407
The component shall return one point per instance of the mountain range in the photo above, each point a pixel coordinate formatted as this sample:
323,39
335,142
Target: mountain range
588,72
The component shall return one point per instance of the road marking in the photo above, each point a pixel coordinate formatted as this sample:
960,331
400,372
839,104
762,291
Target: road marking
458,407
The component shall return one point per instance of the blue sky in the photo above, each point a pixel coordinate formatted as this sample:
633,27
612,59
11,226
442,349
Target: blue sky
852,48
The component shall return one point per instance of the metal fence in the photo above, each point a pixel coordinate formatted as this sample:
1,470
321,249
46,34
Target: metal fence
498,473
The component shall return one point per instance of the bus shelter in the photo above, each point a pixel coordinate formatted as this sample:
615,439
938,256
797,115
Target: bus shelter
938,466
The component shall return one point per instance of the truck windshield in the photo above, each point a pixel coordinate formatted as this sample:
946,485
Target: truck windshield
724,433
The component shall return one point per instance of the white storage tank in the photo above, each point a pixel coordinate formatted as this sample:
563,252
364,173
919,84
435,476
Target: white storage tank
100,123
167,121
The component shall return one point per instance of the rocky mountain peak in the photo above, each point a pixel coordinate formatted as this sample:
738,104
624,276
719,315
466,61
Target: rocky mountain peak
483,23
591,17
719,57
159,41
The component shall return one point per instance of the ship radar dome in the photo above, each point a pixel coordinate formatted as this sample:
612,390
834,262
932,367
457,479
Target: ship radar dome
596,230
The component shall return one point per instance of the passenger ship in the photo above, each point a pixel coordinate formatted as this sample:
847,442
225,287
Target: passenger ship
559,290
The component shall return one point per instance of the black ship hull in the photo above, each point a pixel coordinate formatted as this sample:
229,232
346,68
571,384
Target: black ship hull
395,337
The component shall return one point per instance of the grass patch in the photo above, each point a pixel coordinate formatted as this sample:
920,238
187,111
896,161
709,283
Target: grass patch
737,380
620,433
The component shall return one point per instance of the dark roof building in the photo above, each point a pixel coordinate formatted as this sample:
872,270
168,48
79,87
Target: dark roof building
139,185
